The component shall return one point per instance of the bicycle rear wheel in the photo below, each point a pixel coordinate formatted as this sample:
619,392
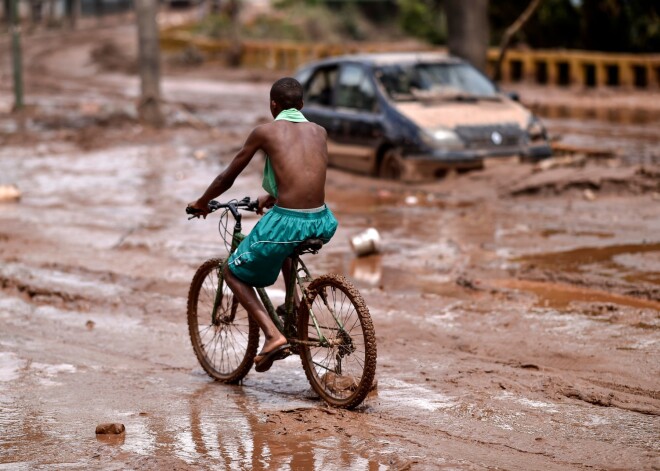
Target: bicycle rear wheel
225,344
342,366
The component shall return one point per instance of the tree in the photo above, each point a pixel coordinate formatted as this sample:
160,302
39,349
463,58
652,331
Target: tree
16,55
148,62
467,22
510,33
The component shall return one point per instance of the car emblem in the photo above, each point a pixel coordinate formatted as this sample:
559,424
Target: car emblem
496,137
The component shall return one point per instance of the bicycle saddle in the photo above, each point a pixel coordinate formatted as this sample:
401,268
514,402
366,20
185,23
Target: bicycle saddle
309,246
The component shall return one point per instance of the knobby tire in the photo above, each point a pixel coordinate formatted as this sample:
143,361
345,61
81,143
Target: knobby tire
226,350
350,388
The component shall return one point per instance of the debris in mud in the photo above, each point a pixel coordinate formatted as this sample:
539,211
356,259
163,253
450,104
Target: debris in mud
338,384
467,283
9,193
366,242
90,324
200,154
620,180
560,148
578,160
110,429
589,195
411,200
190,56
110,58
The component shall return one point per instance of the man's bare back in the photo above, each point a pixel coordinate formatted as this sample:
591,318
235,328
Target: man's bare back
299,155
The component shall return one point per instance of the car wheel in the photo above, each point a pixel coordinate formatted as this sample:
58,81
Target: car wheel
391,165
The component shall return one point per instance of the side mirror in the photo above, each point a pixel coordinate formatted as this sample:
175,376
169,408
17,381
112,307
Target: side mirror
513,96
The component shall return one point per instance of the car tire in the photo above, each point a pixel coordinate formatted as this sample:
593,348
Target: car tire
391,165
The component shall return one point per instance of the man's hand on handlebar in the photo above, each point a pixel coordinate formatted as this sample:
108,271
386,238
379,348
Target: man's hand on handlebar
265,202
198,209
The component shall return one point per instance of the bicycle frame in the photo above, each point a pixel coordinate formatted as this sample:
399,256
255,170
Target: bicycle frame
298,277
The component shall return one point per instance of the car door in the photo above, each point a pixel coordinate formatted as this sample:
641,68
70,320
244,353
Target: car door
318,96
357,119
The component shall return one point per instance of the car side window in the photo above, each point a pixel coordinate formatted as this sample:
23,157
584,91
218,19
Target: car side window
355,90
319,88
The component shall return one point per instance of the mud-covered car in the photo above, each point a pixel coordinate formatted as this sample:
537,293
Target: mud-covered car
413,116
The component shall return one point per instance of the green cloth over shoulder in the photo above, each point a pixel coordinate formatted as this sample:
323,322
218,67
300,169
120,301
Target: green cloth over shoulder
269,183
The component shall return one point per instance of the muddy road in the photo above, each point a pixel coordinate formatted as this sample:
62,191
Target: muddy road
517,309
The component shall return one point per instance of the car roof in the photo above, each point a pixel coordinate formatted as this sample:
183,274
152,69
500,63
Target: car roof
389,58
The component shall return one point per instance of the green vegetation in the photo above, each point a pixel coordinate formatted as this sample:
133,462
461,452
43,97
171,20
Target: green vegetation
603,25
302,21
423,19
606,25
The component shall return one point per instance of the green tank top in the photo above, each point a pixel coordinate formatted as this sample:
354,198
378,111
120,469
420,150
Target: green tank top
269,183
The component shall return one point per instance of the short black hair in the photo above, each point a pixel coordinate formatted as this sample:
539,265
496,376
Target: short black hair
287,93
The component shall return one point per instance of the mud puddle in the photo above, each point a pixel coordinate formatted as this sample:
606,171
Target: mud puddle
562,296
633,262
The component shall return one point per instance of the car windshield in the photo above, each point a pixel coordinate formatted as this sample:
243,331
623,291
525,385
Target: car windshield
430,80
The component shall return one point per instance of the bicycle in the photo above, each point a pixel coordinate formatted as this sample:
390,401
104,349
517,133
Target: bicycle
331,330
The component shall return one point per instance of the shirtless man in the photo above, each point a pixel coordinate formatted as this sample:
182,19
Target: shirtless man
294,178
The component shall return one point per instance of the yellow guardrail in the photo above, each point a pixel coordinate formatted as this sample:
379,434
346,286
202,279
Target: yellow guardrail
552,67
586,68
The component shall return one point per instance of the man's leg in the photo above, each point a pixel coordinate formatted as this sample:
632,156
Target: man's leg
252,304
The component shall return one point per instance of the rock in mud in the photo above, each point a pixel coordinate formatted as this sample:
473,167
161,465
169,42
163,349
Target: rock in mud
110,429
339,384
589,195
9,193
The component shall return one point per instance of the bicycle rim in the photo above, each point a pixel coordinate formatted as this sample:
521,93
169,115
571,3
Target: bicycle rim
342,371
226,346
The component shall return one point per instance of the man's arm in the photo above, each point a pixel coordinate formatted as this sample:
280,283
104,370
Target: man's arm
226,179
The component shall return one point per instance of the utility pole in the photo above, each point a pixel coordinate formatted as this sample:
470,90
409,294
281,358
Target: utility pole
16,55
149,62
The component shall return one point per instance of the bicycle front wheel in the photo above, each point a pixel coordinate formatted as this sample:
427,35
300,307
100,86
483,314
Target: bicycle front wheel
339,344
225,341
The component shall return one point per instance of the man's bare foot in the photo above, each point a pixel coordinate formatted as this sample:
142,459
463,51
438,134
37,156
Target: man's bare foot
270,346
265,359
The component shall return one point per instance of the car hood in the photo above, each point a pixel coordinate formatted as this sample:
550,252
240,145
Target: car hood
450,114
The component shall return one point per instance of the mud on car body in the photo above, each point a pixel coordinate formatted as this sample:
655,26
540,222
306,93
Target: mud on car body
412,116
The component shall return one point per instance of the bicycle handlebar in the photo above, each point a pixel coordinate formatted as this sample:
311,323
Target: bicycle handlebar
246,204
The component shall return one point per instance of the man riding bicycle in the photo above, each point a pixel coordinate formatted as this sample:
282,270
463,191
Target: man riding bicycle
294,178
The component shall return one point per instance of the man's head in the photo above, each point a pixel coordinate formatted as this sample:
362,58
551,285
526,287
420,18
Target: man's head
284,94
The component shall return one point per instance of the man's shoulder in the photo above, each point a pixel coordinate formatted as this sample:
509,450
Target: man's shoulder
275,126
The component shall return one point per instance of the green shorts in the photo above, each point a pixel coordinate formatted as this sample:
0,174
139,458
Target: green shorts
258,259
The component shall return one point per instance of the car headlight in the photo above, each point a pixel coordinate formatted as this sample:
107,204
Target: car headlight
441,138
536,130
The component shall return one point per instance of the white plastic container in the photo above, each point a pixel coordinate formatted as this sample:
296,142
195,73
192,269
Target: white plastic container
366,242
